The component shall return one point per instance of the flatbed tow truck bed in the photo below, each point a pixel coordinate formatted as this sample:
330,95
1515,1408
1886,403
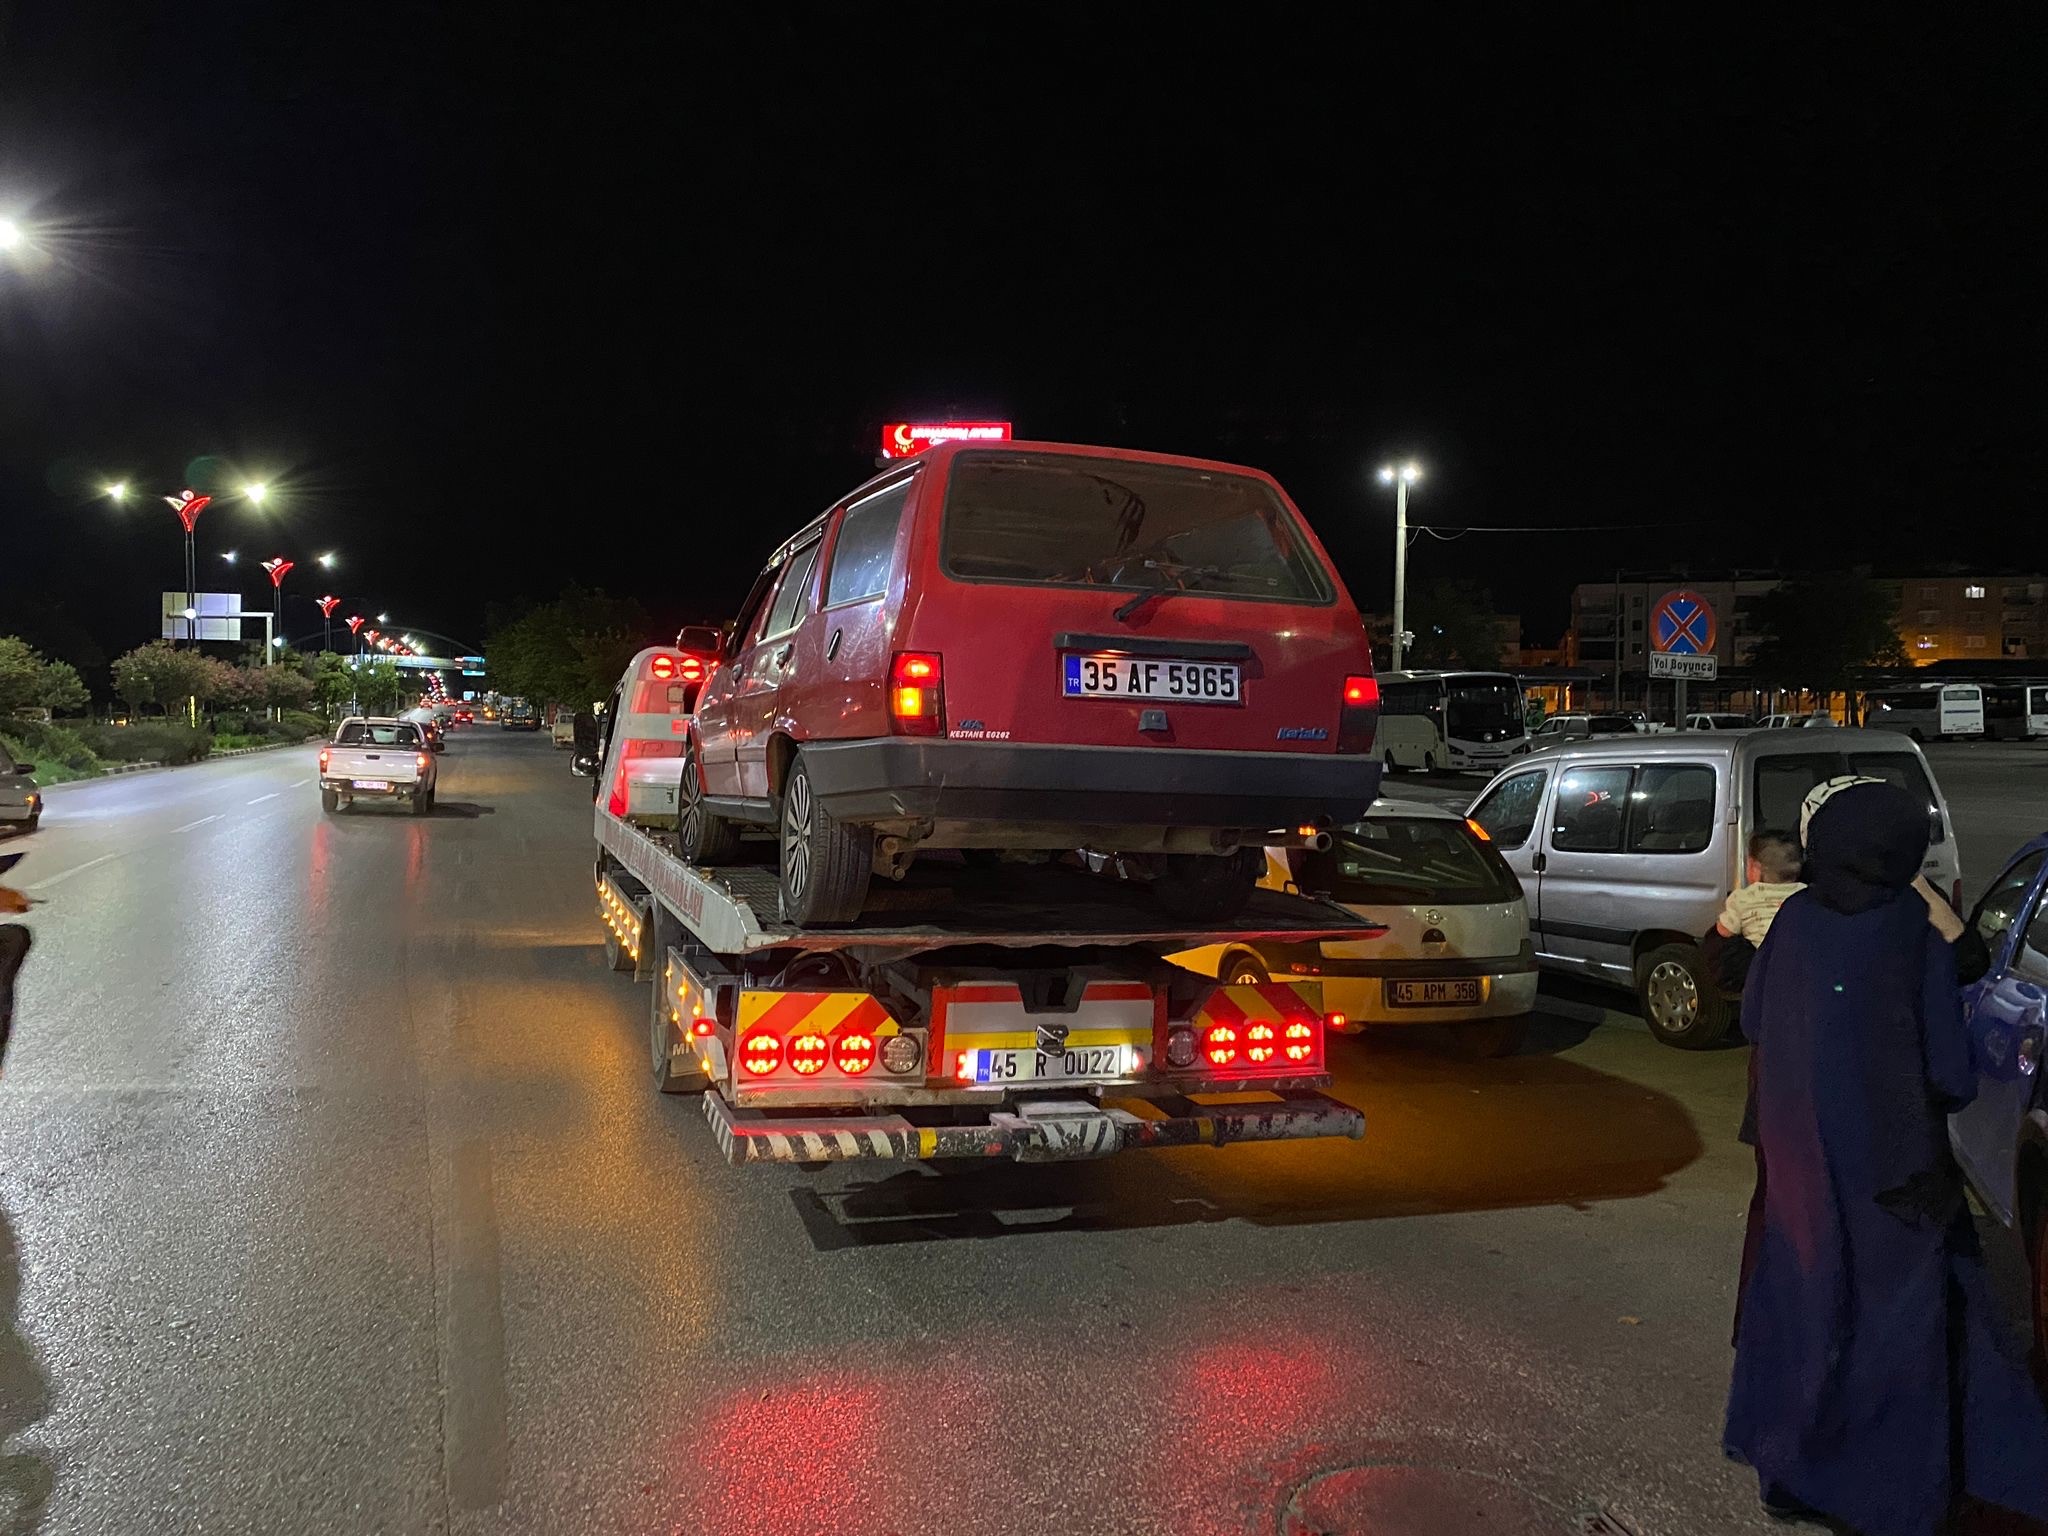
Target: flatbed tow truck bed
1026,1011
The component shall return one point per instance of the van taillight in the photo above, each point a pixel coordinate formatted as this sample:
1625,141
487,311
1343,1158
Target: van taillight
917,694
1360,713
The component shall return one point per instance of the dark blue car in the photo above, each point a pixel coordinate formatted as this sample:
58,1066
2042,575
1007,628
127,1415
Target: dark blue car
2002,1139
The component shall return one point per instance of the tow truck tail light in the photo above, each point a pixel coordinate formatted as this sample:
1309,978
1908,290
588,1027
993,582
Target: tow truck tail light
808,1053
663,667
853,1054
1301,1039
917,694
1219,1045
640,749
1360,713
1261,1043
761,1053
702,1028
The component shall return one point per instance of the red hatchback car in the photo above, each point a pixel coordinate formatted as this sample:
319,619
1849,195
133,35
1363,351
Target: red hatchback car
1038,647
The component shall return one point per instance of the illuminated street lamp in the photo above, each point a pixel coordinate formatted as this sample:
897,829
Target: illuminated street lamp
327,606
326,561
228,555
187,504
278,568
256,490
12,236
1400,479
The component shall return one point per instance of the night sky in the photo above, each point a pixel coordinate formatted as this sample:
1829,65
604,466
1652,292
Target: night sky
504,296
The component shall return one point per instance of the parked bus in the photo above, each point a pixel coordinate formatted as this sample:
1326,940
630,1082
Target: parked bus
1928,711
2015,711
1432,720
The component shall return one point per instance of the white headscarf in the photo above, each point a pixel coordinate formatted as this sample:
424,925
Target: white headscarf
1821,793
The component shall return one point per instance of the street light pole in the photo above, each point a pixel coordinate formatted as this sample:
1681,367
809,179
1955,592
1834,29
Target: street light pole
1400,479
278,568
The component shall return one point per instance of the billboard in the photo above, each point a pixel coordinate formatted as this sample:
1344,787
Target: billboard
907,439
214,621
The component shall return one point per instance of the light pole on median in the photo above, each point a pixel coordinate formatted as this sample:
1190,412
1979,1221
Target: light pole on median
1400,479
279,568
327,606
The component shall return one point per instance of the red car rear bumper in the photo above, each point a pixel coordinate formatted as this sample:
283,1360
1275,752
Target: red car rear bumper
903,777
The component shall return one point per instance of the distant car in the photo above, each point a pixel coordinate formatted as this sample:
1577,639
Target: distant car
1718,723
1038,647
21,803
563,731
378,759
519,717
1559,729
2001,1139
465,716
1456,949
1817,720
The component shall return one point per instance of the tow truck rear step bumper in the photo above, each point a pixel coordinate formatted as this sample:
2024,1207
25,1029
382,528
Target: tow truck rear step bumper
1045,1131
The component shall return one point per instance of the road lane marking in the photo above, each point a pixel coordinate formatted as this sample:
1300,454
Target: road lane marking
474,1444
261,798
202,821
77,869
297,782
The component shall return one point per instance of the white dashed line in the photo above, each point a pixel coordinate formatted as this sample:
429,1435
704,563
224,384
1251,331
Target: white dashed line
297,782
202,821
76,869
261,798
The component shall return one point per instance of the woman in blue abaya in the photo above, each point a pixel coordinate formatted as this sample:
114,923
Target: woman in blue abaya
1868,1385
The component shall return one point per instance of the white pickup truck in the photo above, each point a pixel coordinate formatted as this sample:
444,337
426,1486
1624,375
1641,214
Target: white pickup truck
380,759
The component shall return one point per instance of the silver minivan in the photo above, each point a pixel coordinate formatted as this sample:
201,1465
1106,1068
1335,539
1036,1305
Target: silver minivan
1628,846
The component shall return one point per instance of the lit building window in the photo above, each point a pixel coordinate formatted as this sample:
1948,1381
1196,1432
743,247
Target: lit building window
1973,591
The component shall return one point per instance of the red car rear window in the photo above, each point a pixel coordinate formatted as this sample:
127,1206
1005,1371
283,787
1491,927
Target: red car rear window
1056,520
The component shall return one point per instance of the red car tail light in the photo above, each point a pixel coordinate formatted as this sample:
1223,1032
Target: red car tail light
1360,714
690,670
808,1054
702,1028
323,759
761,1054
1301,1039
1219,1045
420,761
663,667
854,1054
1260,1043
917,694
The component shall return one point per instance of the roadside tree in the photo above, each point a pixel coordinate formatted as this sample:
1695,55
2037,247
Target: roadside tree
1823,632
161,673
61,690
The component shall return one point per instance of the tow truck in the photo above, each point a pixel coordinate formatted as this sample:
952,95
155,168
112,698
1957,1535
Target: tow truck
1025,1011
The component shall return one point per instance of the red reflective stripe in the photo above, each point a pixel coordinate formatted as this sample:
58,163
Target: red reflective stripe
1116,991
1218,1008
786,1012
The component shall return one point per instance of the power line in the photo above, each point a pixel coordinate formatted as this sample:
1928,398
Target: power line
1555,528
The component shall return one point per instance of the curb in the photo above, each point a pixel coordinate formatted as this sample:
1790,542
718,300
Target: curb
124,768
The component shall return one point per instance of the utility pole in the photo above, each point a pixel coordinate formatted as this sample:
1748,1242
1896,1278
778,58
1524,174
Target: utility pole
1400,479
1617,638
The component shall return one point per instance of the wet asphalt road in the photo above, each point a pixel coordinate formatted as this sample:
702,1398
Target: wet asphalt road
337,1198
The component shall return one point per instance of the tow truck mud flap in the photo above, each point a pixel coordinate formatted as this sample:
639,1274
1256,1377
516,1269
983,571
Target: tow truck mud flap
1042,1132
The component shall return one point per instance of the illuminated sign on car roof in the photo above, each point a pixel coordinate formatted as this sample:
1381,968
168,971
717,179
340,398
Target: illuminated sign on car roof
907,439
